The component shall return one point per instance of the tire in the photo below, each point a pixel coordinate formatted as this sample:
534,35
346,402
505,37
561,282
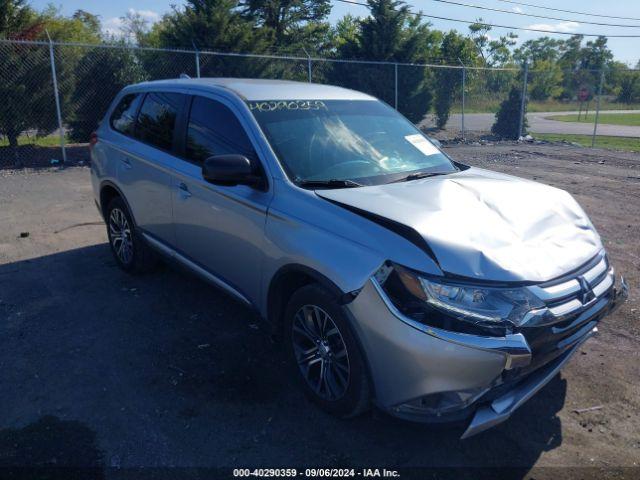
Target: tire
342,393
129,249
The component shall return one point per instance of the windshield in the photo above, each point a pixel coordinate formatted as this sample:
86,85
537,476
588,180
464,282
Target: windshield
364,141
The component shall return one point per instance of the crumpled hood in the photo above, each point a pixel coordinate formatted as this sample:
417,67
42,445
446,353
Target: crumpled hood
485,225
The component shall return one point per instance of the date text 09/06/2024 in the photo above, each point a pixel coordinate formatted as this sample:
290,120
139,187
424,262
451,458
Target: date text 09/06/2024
316,472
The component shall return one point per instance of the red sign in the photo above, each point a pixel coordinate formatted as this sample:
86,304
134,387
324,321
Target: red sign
583,93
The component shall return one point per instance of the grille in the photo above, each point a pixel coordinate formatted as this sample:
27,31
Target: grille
575,304
570,295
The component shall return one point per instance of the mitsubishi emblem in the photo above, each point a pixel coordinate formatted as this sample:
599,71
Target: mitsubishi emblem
586,293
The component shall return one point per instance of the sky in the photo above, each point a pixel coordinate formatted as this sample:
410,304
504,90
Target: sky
625,49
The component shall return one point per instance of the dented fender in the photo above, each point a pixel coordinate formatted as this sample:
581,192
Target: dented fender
301,229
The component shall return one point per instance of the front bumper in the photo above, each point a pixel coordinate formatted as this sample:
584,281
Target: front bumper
410,361
501,408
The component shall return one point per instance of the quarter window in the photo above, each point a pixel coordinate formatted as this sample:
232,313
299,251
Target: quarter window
157,118
213,129
124,116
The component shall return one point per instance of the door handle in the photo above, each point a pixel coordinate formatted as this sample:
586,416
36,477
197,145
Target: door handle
184,191
127,163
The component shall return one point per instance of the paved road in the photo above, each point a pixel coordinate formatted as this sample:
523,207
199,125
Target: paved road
539,123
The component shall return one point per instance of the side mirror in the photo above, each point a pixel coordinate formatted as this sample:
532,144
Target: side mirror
230,170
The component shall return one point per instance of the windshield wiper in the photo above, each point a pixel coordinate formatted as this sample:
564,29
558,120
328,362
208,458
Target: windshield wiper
418,175
333,183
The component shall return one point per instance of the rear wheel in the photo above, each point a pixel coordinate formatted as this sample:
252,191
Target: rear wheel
324,352
128,247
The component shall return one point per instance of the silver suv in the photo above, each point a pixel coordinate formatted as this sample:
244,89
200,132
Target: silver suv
394,275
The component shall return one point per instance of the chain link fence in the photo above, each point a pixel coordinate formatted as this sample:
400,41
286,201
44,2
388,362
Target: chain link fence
27,105
52,95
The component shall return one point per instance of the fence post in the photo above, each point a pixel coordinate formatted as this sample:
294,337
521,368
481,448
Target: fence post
464,81
197,52
57,99
523,102
595,124
308,64
395,101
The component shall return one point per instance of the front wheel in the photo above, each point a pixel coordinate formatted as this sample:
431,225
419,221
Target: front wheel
324,352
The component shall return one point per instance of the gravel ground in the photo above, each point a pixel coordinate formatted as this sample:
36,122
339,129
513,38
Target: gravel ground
104,370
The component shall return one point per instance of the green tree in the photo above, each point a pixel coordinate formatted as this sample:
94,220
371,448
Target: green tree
508,117
382,34
581,65
545,76
25,84
135,28
454,49
570,63
15,17
210,24
614,77
570,52
629,87
545,80
596,54
102,73
216,25
345,33
81,27
292,24
90,21
391,34
539,49
494,52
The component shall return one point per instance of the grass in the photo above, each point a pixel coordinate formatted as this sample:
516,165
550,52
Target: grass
489,105
557,106
617,143
632,119
45,141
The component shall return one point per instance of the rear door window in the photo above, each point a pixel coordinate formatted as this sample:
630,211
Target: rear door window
123,118
157,119
213,129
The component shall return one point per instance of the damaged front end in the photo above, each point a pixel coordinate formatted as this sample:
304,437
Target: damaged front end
520,280
481,225
532,329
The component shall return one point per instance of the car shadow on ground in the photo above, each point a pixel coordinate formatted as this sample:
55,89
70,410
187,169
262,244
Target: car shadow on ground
50,448
168,371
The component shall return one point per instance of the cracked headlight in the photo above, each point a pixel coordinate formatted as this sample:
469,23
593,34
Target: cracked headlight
456,306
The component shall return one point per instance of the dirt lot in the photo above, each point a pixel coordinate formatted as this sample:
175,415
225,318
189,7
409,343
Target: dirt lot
100,369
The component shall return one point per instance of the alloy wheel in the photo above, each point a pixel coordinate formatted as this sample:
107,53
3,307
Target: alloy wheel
320,352
120,236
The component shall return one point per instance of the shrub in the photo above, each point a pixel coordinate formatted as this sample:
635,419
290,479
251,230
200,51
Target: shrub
508,117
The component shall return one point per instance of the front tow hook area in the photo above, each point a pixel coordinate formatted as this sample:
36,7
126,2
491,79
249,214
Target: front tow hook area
620,295
502,407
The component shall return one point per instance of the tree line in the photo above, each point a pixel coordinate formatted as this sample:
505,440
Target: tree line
89,77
